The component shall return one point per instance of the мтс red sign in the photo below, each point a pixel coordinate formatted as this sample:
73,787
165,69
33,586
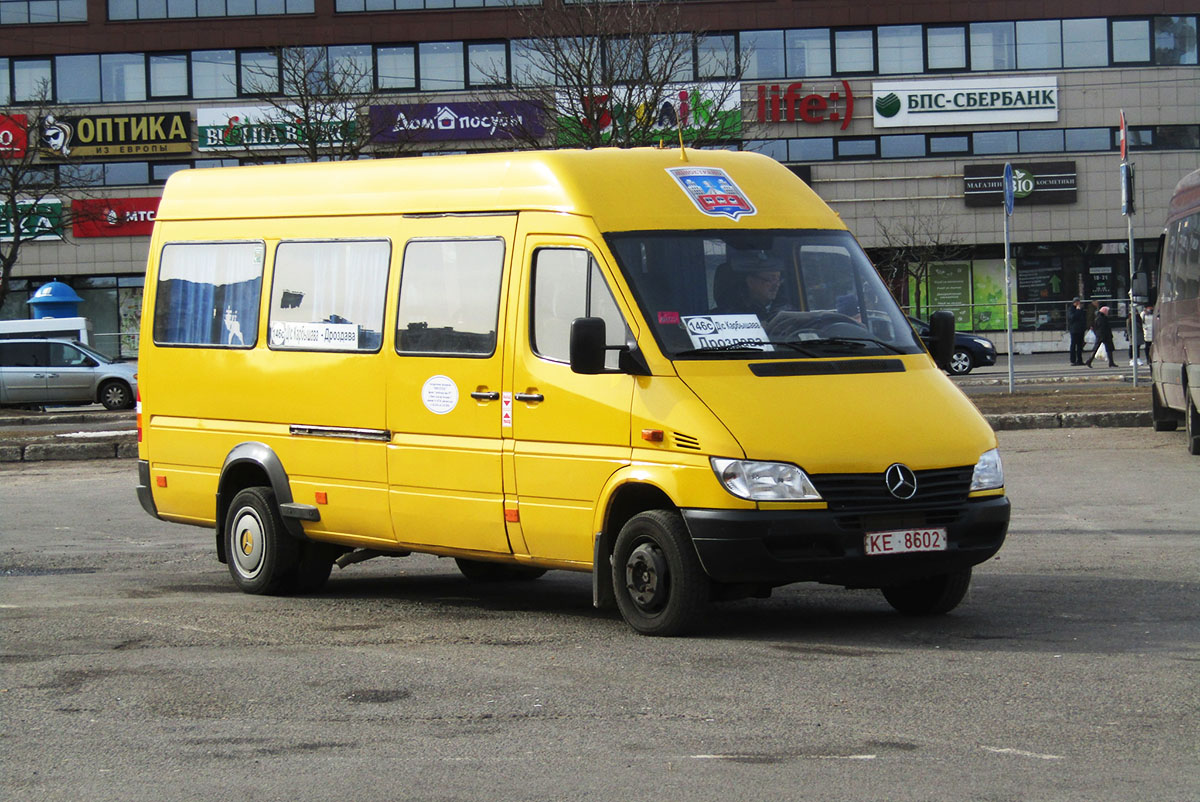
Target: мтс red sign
114,217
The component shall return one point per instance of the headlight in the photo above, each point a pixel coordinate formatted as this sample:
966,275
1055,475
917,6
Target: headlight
989,472
764,481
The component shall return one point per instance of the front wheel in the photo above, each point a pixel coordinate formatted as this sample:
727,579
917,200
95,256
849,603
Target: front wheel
660,586
932,596
960,362
262,556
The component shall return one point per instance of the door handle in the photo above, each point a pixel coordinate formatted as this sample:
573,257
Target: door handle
484,395
531,397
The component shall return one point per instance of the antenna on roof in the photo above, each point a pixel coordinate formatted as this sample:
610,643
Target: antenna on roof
682,150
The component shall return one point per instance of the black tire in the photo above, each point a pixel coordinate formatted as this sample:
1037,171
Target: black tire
1164,419
262,556
961,362
660,586
115,394
1192,419
932,596
481,571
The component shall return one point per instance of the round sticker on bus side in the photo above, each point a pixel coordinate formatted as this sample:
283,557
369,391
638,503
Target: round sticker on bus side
439,394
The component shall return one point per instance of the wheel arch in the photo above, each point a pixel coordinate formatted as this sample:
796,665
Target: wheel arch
252,464
626,497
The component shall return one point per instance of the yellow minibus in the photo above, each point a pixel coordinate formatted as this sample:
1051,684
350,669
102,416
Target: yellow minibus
673,369
1175,348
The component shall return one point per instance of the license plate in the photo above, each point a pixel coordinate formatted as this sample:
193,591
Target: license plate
903,541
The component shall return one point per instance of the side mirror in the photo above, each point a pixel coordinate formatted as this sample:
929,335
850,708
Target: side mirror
1141,288
941,338
587,345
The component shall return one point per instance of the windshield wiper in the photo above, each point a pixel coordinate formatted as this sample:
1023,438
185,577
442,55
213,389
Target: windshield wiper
857,342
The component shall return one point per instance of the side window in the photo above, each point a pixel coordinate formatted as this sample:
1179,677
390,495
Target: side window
567,284
329,296
1188,259
208,294
450,297
67,356
23,355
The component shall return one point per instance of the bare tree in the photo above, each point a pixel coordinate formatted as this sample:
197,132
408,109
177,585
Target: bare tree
37,180
318,105
621,74
913,244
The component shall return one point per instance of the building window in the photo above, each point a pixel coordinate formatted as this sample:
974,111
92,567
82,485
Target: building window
857,148
1040,141
854,51
1131,41
809,53
32,80
40,12
993,46
441,65
118,174
258,73
991,142
182,9
169,75
1085,139
949,144
487,64
1085,42
902,146
900,50
818,149
1174,40
78,79
122,77
1039,44
214,73
396,67
716,56
946,47
762,54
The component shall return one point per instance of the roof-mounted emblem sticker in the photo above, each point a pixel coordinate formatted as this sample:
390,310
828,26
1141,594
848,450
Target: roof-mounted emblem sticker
713,191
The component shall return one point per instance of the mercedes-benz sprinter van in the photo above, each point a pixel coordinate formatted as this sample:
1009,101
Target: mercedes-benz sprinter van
676,370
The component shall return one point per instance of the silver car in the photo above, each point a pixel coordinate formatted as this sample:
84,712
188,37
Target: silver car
34,372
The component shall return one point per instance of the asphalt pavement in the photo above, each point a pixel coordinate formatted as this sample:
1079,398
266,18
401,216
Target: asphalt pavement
92,432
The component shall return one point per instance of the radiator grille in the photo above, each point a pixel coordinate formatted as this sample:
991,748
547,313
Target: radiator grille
867,492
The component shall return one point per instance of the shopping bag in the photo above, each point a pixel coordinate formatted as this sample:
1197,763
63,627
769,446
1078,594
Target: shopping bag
1101,354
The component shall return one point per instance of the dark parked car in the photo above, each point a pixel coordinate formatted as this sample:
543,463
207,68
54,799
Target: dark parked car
970,350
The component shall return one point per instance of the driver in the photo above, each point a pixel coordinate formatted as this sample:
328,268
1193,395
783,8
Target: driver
753,280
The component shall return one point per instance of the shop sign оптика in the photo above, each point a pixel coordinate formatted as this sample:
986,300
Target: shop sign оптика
116,135
465,121
113,217
967,101
1044,182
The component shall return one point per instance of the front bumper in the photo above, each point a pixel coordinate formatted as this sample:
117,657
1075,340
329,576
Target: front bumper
778,548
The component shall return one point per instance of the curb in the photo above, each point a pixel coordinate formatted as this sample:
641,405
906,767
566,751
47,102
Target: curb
126,447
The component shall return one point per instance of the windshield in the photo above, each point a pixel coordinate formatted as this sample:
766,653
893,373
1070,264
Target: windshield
99,357
755,294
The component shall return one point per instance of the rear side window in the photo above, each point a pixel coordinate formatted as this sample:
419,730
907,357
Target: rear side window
450,297
23,355
208,294
329,296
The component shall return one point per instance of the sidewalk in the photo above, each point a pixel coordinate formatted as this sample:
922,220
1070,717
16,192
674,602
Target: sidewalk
85,433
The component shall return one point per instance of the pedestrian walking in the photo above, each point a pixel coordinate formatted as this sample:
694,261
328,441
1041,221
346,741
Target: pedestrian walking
1077,327
1104,337
1148,328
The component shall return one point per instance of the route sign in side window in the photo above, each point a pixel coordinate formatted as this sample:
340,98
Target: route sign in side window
329,295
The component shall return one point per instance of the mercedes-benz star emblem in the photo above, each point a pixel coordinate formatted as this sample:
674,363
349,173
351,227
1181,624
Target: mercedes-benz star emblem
901,481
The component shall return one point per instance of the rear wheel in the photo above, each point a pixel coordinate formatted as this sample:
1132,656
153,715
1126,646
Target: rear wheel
115,395
660,586
960,362
481,571
263,557
1164,419
932,596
